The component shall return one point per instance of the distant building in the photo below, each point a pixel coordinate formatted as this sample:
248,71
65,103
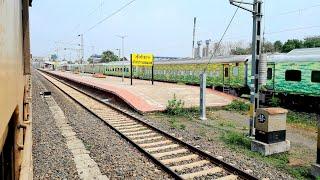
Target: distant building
38,59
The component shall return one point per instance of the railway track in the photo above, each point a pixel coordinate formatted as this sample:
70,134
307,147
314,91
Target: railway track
180,159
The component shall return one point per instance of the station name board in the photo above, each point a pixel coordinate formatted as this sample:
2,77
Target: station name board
142,59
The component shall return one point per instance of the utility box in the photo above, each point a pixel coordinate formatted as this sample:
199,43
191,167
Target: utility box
270,134
271,125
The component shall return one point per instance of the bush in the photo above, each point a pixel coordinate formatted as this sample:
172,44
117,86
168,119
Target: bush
175,106
274,101
237,105
236,139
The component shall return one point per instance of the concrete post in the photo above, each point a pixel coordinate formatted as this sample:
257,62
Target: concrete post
203,86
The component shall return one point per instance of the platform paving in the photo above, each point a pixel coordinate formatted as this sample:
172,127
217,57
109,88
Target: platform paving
145,97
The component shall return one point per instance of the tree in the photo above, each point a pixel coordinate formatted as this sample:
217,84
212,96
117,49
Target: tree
268,47
90,60
311,42
277,46
108,56
291,44
240,51
54,57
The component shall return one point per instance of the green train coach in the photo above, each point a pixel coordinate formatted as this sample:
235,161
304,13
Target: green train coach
294,77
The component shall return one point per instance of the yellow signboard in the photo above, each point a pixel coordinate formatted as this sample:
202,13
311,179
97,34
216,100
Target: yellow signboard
142,59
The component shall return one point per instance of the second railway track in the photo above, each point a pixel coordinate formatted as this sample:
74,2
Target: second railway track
180,159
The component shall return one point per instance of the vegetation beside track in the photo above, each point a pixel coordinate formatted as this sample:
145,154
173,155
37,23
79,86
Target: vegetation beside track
302,119
229,126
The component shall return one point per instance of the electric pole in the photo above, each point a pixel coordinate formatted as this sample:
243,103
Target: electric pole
194,34
256,55
82,48
118,49
122,41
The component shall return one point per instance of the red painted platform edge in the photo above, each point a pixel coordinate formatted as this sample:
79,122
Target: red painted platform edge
132,100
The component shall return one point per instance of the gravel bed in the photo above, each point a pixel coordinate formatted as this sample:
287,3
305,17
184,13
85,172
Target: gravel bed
116,158
51,157
240,160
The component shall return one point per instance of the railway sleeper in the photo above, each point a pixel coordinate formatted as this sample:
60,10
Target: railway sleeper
228,177
174,152
189,165
154,149
148,139
125,124
155,143
137,132
142,135
116,121
133,129
204,172
129,127
180,159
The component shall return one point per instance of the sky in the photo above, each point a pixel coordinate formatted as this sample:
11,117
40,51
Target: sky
161,27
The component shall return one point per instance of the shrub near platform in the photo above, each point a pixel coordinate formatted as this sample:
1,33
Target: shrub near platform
237,105
175,106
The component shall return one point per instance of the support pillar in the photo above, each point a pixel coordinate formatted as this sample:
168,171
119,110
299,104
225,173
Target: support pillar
203,86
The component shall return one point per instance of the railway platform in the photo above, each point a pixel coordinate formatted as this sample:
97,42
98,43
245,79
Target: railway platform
145,97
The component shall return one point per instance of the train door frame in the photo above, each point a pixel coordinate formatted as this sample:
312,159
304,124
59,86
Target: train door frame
224,77
273,67
8,152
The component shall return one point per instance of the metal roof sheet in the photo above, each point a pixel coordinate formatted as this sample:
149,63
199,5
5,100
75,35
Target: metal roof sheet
293,58
305,51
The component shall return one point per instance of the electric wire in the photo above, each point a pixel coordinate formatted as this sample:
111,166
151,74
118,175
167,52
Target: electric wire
293,29
219,43
298,10
89,14
109,16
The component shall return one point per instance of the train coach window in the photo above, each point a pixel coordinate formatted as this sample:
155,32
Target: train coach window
226,72
269,73
315,76
293,75
235,71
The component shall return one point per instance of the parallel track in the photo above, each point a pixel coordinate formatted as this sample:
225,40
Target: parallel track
180,159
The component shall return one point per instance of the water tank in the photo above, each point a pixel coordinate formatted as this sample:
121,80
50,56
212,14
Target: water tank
263,70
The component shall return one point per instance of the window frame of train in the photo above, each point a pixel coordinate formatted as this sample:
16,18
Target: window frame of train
269,73
315,76
291,76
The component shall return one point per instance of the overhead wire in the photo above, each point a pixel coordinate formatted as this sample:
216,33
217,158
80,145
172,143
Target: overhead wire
79,23
91,12
293,29
219,43
109,16
300,10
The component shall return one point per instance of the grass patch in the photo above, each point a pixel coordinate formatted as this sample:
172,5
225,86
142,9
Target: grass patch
302,119
227,124
239,142
174,123
238,106
236,139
